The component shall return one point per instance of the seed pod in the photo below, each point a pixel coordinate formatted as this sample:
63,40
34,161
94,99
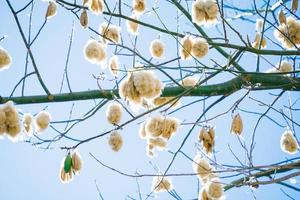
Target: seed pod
237,125
294,6
282,18
76,162
68,164
84,20
51,10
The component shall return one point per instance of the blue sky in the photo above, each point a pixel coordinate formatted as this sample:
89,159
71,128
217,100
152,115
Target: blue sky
29,172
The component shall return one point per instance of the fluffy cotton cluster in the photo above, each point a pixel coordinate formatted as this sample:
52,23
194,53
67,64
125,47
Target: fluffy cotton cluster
237,125
283,66
157,48
9,121
114,113
161,184
27,123
289,33
96,6
288,142
207,139
51,10
5,59
202,168
133,27
114,65
157,131
115,141
160,126
94,52
259,40
186,47
140,85
158,101
42,121
138,6
110,32
204,11
190,81
84,20
71,164
199,47
212,188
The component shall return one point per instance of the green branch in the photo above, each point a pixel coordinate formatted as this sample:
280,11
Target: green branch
253,81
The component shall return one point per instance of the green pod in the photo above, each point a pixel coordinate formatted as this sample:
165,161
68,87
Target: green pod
68,164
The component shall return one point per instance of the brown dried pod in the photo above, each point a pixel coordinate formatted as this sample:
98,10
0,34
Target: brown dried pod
294,6
51,10
282,17
237,125
84,20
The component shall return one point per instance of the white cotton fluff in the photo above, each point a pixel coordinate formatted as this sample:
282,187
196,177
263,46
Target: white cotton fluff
288,34
142,84
63,176
42,121
190,81
27,123
133,27
5,59
114,113
288,142
214,189
199,47
138,6
259,41
94,52
204,12
114,65
115,141
161,184
110,32
157,48
186,47
202,168
283,66
259,25
10,121
96,6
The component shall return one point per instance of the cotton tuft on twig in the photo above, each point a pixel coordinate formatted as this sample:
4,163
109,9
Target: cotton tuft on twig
214,189
257,41
283,66
202,168
5,59
96,6
12,124
42,121
288,142
186,47
114,113
199,47
161,184
76,162
139,6
65,177
157,48
288,34
27,123
133,27
140,85
114,65
190,81
115,141
204,12
110,32
94,52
